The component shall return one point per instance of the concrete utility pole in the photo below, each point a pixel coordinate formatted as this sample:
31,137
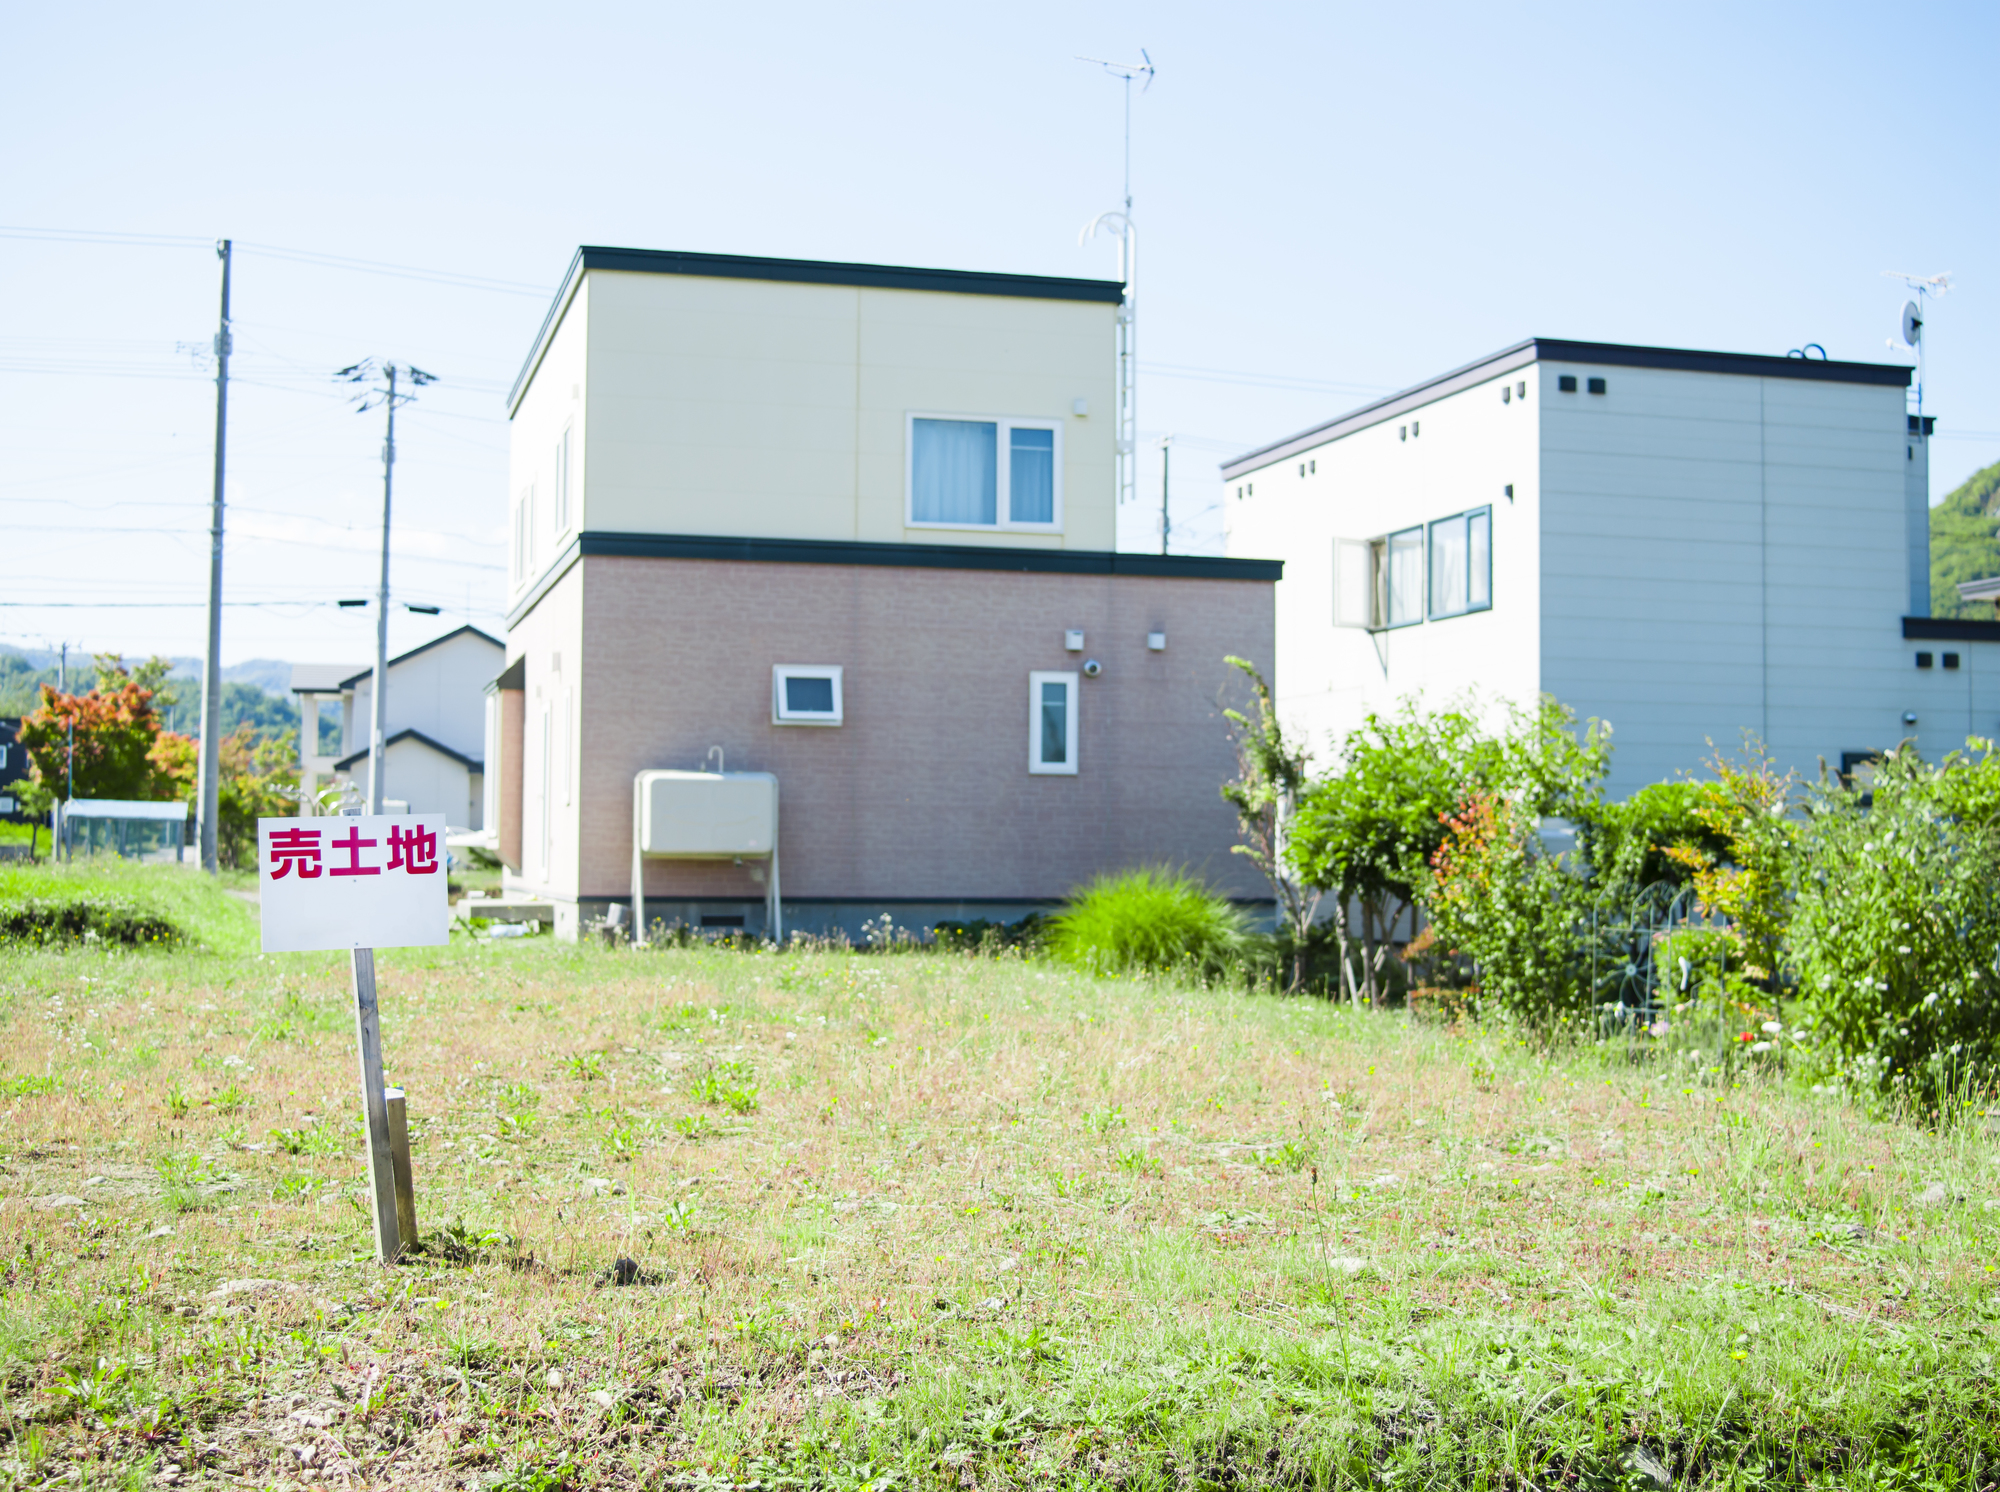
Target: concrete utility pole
1166,471
388,398
209,793
69,752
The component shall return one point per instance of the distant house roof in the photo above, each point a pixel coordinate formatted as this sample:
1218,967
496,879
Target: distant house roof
346,763
1985,589
1558,350
803,271
356,676
321,678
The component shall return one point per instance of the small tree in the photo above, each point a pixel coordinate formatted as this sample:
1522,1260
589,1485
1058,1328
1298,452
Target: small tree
113,741
1270,773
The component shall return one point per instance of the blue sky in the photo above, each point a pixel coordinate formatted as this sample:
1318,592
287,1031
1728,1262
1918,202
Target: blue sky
1334,201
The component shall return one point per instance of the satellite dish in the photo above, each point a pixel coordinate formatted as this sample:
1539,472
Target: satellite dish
1913,323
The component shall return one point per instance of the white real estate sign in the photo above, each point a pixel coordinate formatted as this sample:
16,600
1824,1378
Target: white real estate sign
345,883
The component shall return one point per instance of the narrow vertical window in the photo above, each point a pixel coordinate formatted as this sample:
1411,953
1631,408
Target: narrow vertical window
1031,485
1052,723
1479,560
1406,577
562,484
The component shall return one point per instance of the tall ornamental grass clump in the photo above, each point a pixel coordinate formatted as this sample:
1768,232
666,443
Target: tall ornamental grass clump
1894,936
1151,920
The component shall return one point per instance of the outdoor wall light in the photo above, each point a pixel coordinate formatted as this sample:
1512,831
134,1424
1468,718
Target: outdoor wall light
1909,717
1156,641
1092,668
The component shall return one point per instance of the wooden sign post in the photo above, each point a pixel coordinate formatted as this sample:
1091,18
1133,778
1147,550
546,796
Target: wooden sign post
359,884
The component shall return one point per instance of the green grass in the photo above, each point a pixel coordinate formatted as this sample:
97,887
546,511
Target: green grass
989,1222
1146,920
199,907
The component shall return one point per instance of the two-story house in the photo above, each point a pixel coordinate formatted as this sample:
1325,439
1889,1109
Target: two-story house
435,726
1689,545
851,525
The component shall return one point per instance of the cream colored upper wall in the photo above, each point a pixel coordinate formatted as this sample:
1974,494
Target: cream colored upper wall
553,401
777,410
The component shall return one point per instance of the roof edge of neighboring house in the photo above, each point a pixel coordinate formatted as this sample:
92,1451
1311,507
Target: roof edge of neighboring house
1563,350
346,763
424,647
1117,563
797,271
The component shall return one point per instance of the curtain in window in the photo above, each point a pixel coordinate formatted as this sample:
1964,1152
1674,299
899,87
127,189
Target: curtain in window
1406,577
1055,724
1448,566
1479,565
953,471
1031,476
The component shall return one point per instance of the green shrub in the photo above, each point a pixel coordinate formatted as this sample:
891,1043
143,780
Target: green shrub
46,923
1894,937
1146,919
1645,825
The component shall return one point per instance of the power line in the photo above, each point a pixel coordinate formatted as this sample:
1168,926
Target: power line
277,251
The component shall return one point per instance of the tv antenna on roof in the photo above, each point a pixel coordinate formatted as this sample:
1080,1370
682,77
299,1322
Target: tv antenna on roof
1927,287
1120,223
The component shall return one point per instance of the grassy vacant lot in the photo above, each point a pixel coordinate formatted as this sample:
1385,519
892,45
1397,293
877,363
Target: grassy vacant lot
913,1220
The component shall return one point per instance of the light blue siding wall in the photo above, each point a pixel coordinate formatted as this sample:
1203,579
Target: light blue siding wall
1723,554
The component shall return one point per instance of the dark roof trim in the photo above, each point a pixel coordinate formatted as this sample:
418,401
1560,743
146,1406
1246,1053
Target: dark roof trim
907,556
1949,629
514,675
421,739
803,271
424,647
1558,350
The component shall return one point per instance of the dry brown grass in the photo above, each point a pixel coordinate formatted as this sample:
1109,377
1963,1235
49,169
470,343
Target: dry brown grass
968,1188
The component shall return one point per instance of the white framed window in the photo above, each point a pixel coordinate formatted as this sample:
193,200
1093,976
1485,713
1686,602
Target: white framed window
1052,723
1462,563
805,694
1379,583
983,472
524,535
562,483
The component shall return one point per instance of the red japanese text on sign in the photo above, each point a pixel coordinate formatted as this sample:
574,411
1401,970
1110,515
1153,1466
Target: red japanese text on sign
413,851
295,847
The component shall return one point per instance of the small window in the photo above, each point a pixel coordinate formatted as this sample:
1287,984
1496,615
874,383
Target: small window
1462,563
1597,385
562,484
1923,660
985,473
1379,584
1052,723
805,694
1566,384
1950,660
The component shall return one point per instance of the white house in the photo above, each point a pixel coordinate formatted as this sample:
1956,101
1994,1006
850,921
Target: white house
1688,545
436,725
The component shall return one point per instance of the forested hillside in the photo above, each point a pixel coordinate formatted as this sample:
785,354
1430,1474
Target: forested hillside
1964,545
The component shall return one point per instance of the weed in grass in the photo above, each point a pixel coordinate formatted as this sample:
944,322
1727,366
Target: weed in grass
297,1187
27,1087
715,1083
311,1139
177,1101
693,1126
1103,1121
1290,1156
182,1177
621,1143
1139,1163
230,1099
586,1067
677,1217
101,1391
740,1100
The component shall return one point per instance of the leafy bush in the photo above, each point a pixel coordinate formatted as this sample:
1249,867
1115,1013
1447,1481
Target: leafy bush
1645,826
1146,919
984,936
47,923
1498,896
1895,928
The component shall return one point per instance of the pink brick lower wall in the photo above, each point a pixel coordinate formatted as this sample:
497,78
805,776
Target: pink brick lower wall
925,790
